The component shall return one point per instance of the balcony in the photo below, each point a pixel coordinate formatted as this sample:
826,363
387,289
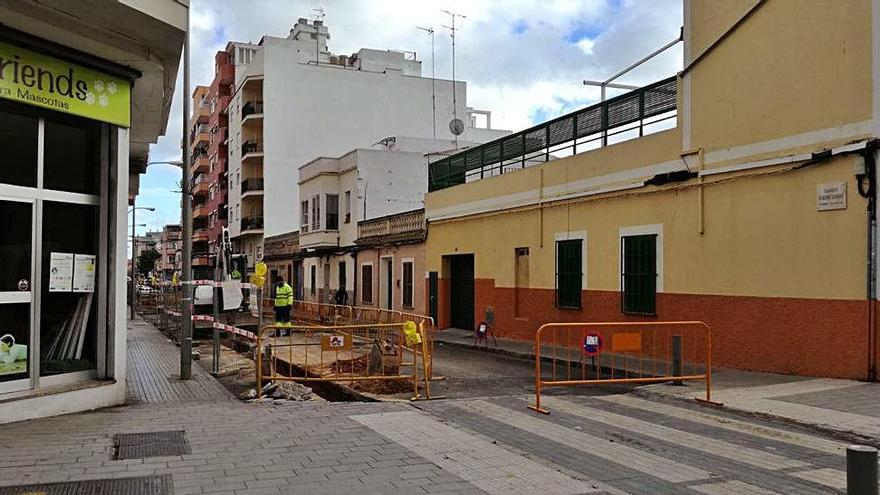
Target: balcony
201,164
200,212
202,260
252,185
631,115
200,135
251,225
202,113
201,184
252,148
200,235
402,227
227,74
251,111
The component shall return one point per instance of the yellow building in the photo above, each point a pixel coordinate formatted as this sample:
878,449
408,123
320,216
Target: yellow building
739,192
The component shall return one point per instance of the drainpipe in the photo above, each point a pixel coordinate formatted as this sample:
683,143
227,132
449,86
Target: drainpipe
867,189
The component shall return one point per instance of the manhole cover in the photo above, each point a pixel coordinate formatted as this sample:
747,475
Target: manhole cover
143,485
151,444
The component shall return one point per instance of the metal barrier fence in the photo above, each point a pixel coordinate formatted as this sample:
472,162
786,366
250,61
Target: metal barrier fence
342,353
582,129
233,334
571,354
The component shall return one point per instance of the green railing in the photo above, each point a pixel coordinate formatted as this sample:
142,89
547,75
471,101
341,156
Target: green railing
629,112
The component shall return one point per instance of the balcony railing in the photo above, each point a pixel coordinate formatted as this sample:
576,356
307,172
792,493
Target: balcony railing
251,184
251,108
570,134
412,222
200,235
251,223
251,146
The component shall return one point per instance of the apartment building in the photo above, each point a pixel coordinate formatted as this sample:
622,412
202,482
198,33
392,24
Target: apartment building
296,101
754,213
79,136
169,247
201,182
339,199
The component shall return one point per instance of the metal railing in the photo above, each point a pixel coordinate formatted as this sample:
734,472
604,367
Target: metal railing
251,146
576,132
572,354
251,184
251,223
342,353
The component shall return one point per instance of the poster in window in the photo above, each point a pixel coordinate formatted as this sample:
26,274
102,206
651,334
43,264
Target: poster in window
84,273
60,272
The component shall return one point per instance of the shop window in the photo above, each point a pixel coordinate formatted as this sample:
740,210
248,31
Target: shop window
71,154
569,273
408,284
639,274
332,220
69,313
367,284
18,142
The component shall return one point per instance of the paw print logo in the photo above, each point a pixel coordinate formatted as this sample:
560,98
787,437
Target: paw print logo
90,98
99,86
103,100
111,88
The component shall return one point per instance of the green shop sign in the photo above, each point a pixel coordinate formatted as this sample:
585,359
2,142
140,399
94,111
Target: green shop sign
36,79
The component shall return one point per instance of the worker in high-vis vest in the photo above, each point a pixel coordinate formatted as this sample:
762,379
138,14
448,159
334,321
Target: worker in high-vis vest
283,301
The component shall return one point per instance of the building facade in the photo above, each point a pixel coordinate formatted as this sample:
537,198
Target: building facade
169,247
755,213
201,183
340,197
295,101
80,103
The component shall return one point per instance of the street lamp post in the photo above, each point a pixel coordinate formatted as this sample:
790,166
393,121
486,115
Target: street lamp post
134,254
186,218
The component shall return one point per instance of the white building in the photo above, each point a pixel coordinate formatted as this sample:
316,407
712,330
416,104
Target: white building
93,90
296,101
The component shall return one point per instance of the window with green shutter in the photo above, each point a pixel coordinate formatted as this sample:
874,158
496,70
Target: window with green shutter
639,274
569,273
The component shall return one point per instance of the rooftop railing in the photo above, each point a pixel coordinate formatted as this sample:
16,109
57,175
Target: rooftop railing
636,112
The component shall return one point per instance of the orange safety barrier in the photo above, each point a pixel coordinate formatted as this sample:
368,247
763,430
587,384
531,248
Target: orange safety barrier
343,353
571,354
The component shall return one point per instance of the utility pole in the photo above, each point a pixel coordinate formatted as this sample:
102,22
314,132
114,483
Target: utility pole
452,29
186,218
430,30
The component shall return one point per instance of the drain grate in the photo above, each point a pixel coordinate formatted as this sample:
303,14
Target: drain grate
142,485
150,444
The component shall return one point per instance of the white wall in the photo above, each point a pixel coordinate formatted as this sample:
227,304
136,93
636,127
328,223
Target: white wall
392,182
313,111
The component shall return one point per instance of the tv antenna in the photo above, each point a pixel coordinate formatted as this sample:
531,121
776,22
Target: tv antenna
456,124
318,16
430,30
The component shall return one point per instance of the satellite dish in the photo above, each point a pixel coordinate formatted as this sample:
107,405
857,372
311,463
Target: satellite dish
456,126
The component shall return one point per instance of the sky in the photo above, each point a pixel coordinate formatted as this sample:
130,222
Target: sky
524,60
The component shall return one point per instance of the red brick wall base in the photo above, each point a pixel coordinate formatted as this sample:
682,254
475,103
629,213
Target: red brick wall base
814,337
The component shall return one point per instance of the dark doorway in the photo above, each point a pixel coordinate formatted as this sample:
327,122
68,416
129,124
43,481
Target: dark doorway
462,291
433,289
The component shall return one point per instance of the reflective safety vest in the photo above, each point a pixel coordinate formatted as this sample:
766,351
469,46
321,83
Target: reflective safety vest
235,275
283,295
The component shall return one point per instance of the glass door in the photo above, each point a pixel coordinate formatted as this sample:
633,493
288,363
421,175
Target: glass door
16,294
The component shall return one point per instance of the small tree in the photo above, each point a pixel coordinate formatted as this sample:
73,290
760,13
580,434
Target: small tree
147,261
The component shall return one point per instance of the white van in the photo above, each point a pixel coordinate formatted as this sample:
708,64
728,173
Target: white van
203,300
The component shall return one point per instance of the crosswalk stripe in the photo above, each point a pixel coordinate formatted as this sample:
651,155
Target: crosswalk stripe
488,467
731,488
829,477
692,441
659,467
790,437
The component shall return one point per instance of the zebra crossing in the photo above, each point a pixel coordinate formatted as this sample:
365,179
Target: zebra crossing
615,444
